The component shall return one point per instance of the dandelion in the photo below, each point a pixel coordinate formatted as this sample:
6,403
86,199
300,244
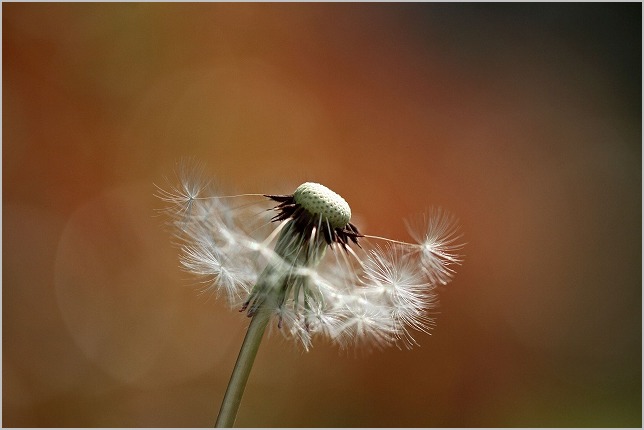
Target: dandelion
298,260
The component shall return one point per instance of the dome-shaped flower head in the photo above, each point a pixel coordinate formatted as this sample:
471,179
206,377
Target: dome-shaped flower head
299,257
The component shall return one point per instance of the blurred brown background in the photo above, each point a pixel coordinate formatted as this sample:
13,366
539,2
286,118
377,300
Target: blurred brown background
522,120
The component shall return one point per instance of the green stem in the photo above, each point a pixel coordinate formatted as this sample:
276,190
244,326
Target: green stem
239,377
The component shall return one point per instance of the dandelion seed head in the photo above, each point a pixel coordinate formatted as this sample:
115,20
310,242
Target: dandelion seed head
319,200
299,257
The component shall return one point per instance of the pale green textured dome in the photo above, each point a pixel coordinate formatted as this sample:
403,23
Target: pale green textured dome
319,200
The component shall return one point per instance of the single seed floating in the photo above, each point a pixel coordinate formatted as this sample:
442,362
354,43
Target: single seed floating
319,200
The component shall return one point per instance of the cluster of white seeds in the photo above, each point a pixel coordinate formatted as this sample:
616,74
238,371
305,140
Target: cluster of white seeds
377,294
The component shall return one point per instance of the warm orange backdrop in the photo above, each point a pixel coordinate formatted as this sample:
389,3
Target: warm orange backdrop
524,121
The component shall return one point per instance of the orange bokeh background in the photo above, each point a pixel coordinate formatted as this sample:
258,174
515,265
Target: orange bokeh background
522,120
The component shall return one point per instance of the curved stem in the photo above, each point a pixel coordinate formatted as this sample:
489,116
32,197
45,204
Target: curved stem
243,366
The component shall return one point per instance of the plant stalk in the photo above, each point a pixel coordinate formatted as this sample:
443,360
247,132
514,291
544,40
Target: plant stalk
243,366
